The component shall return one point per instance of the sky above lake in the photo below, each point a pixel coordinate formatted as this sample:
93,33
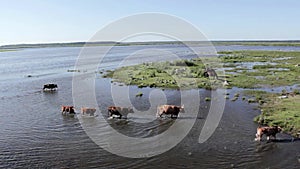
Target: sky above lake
35,21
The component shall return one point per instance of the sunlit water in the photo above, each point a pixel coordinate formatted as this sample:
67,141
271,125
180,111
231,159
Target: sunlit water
34,134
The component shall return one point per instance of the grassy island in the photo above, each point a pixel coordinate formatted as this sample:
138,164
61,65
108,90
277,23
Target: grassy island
282,112
243,69
177,74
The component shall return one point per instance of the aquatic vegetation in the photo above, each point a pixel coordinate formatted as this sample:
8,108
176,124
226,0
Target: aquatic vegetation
252,69
139,94
282,112
176,74
207,99
234,99
251,101
237,95
276,67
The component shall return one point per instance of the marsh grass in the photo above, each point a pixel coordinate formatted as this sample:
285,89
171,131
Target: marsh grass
279,68
189,73
281,112
177,74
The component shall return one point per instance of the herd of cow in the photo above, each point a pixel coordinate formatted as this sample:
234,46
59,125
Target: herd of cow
116,111
172,110
122,112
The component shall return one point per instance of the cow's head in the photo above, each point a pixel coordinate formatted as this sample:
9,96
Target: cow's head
182,109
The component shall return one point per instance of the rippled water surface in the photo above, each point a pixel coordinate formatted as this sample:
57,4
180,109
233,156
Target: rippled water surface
34,134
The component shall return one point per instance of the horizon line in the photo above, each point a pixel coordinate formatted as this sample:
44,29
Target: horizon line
152,41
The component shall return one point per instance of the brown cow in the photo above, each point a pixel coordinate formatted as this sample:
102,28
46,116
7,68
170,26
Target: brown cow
268,131
88,111
169,109
67,109
119,111
208,72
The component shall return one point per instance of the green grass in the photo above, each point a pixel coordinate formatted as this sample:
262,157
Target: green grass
272,74
207,99
189,73
282,112
139,94
243,81
257,96
177,74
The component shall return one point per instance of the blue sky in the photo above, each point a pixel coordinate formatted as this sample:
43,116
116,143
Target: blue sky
35,21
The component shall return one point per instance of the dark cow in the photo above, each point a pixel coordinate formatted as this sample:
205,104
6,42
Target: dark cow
51,87
169,110
268,131
67,110
208,72
88,111
119,111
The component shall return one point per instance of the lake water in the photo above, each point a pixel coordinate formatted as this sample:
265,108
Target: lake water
34,134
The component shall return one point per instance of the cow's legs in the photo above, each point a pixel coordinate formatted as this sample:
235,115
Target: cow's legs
258,137
274,136
173,116
158,114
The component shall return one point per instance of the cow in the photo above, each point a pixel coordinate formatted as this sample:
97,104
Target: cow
67,109
268,131
119,111
88,111
169,110
51,87
208,72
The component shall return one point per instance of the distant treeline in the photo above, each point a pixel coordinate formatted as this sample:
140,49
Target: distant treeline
112,43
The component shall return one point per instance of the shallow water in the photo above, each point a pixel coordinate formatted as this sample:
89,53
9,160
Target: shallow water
34,134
